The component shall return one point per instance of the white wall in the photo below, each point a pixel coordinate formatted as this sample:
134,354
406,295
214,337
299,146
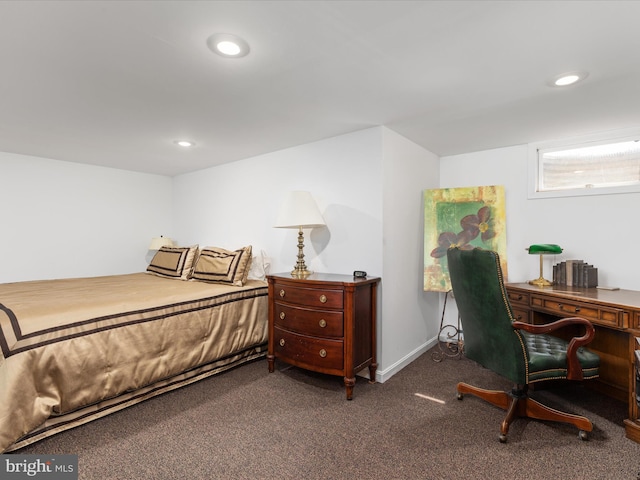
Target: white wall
62,219
410,316
600,229
237,204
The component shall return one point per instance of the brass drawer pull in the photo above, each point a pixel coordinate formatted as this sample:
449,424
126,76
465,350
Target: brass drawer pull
561,307
282,342
323,299
323,353
282,315
322,323
282,293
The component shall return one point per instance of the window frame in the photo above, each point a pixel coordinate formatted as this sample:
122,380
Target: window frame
533,165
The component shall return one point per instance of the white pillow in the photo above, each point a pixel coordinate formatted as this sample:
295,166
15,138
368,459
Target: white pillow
260,265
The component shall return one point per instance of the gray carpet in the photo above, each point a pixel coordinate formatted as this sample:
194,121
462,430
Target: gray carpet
293,424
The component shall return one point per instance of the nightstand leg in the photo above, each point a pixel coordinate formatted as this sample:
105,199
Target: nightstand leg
270,361
372,372
349,384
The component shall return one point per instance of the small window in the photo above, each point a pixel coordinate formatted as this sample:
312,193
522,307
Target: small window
587,167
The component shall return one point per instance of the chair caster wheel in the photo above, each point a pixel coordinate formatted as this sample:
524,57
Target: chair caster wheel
459,396
503,438
584,436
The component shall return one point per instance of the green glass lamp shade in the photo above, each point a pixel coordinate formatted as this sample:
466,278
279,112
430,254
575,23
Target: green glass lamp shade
543,249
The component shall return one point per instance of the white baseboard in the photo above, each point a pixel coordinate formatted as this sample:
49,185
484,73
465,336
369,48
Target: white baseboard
384,375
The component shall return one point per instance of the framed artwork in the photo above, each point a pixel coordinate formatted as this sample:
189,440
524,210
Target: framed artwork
466,217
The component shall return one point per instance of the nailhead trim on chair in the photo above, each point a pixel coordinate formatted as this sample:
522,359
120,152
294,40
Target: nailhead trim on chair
507,305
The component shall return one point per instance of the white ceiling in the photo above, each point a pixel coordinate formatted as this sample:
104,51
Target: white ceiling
114,83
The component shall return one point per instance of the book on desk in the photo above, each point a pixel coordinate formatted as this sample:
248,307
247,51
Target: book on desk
575,273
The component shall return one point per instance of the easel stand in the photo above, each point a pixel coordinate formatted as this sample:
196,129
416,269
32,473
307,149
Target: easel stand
450,342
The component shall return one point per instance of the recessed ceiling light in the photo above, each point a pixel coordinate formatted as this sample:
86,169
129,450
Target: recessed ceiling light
228,45
184,143
566,79
228,48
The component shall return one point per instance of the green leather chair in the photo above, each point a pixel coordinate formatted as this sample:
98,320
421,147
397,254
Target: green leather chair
520,352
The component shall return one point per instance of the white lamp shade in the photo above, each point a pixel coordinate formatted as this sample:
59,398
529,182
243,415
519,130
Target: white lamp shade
158,242
299,210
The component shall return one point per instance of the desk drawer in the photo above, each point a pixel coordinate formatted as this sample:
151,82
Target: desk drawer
566,308
516,298
520,315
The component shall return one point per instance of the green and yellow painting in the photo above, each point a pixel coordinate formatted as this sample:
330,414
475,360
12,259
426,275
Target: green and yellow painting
465,217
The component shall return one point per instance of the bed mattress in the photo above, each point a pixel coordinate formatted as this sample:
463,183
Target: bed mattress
77,349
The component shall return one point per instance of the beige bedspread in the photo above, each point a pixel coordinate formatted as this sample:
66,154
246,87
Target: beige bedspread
72,343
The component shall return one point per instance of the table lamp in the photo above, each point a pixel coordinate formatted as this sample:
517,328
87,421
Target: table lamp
158,242
543,249
299,210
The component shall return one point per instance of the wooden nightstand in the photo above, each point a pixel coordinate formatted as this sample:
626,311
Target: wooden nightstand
325,323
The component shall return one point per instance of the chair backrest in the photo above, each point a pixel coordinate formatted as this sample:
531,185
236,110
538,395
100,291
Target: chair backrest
486,314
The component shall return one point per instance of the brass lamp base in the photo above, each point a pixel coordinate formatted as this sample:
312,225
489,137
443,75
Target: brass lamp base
301,273
541,281
300,270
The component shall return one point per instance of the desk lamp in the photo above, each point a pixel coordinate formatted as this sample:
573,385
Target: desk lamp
543,249
299,210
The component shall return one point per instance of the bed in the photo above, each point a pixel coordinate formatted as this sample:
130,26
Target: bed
74,350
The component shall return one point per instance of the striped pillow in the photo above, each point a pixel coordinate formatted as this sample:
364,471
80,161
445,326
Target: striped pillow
173,262
217,265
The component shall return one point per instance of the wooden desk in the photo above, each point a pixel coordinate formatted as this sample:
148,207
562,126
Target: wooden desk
615,314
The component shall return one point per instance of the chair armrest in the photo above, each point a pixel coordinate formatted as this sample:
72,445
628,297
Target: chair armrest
574,370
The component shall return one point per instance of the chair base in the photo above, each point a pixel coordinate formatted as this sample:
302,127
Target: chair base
518,404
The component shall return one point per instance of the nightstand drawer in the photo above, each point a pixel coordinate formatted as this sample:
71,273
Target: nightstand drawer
319,323
304,350
309,297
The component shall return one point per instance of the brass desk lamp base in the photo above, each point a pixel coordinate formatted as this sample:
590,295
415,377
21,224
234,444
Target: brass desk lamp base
541,281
